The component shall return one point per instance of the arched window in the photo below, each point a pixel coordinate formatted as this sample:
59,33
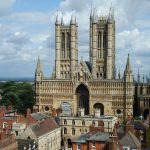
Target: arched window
104,39
65,121
83,123
68,45
99,40
73,131
65,130
63,45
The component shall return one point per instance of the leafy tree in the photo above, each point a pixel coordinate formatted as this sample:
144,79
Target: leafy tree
12,99
19,95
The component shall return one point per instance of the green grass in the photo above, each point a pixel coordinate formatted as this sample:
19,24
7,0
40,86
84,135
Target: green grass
148,138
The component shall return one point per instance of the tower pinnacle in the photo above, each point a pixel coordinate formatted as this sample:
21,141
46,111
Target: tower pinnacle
38,68
73,19
128,66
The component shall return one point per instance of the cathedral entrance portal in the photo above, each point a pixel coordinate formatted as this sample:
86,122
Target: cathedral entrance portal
83,98
99,106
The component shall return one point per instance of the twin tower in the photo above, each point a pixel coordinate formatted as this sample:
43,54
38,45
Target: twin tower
101,47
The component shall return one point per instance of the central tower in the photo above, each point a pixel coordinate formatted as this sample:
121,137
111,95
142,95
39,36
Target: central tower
102,46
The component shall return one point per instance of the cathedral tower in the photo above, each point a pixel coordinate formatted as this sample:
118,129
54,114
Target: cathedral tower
66,48
102,46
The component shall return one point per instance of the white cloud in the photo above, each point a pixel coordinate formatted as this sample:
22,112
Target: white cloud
26,35
5,6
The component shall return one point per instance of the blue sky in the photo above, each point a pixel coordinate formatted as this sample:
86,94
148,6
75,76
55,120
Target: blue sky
27,31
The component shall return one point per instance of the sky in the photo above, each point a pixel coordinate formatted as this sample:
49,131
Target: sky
27,29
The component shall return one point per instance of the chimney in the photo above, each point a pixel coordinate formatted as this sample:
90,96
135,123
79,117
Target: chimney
28,112
97,112
129,127
81,112
113,142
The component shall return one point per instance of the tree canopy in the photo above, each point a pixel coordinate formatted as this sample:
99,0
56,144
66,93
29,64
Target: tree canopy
18,94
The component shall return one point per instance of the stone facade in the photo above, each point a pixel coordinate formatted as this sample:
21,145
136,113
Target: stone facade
74,126
90,85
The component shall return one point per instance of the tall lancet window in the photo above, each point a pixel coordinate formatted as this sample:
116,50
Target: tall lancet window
104,40
63,44
99,44
68,45
99,40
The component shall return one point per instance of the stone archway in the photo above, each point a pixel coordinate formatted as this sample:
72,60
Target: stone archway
83,98
99,106
146,112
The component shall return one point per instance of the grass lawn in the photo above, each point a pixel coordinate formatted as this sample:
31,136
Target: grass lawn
148,138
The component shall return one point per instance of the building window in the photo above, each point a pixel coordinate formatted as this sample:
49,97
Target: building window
65,121
73,131
65,130
93,123
78,147
83,123
73,122
93,144
16,133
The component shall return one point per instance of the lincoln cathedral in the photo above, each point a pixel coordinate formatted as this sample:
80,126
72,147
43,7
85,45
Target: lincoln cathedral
89,87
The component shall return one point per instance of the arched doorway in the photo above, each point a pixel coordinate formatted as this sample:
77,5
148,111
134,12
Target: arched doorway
99,106
83,98
146,112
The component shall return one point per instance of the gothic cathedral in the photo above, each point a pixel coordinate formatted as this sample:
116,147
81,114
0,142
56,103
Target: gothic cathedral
87,85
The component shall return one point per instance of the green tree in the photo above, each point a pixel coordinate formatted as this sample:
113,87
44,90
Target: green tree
19,95
12,99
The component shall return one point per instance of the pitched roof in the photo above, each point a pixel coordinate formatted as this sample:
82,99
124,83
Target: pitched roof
130,140
39,116
92,136
99,136
43,127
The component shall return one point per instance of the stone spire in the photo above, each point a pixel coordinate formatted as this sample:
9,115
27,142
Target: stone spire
128,66
119,74
128,72
38,67
91,13
73,19
62,21
138,76
94,15
38,72
57,20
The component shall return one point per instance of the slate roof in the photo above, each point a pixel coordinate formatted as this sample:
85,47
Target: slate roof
130,140
92,136
139,125
44,127
39,116
99,136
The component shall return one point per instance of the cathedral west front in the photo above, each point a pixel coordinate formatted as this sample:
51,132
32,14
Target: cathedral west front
91,85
